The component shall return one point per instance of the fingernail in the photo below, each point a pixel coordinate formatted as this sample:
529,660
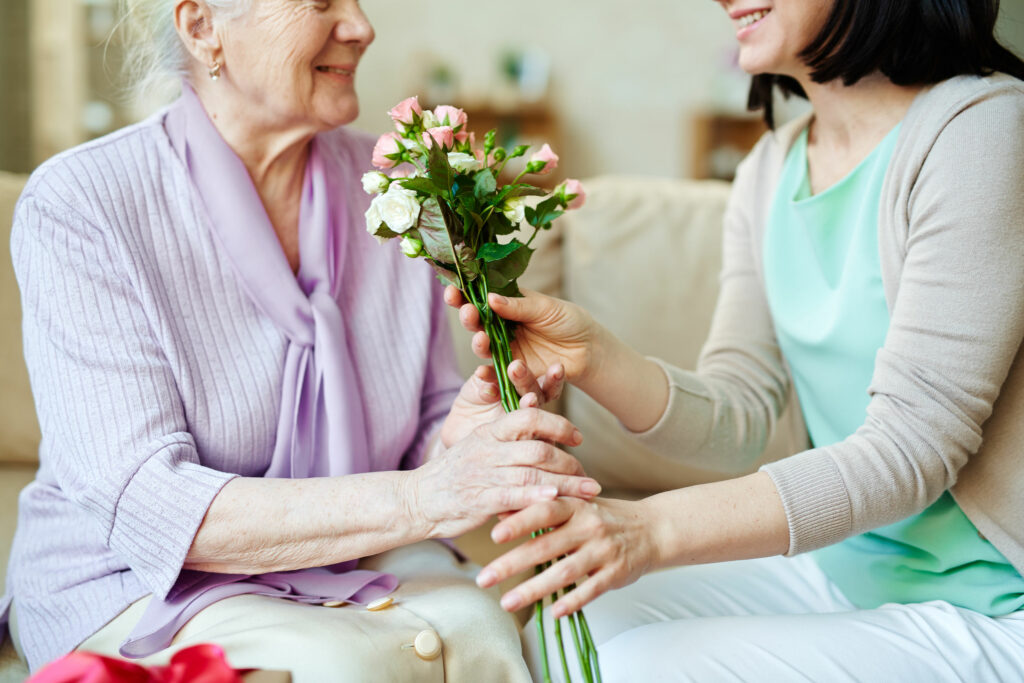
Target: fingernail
499,299
558,611
510,602
549,492
577,437
485,578
499,534
590,488
559,372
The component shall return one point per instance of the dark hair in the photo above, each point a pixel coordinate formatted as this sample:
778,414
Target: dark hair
912,42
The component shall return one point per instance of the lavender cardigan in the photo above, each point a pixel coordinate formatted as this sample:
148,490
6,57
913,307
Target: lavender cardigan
157,380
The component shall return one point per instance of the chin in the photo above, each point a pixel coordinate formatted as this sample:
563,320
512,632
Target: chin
335,116
751,64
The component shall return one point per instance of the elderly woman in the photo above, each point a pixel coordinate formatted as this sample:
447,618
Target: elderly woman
244,399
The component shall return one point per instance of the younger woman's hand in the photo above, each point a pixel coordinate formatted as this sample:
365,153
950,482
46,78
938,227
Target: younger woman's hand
599,545
550,331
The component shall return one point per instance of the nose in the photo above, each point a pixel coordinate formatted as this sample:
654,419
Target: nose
353,28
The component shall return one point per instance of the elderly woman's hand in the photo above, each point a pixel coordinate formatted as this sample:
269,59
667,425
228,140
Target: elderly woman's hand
478,402
506,465
604,544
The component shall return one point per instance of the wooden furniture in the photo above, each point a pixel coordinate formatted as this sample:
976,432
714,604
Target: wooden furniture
74,60
720,141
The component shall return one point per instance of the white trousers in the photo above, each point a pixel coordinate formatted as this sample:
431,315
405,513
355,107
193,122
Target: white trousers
780,619
320,644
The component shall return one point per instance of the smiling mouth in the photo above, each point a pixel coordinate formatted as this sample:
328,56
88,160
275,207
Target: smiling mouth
335,70
752,18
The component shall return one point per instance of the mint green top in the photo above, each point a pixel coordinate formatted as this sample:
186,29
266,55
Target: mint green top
824,286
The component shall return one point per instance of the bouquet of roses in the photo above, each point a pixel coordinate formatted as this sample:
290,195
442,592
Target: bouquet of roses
442,200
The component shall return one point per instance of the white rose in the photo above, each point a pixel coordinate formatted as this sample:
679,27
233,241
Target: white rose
515,210
430,120
411,246
399,208
374,219
375,182
462,162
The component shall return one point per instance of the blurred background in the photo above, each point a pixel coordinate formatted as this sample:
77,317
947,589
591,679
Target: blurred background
645,87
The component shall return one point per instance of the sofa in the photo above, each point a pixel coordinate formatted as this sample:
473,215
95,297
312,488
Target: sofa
642,255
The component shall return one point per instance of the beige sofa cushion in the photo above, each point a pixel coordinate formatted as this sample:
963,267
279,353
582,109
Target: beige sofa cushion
643,256
18,425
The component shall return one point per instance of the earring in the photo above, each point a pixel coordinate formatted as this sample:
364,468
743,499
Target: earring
215,71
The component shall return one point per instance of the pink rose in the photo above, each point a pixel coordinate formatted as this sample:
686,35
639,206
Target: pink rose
387,144
573,192
462,136
442,135
456,117
549,158
479,154
405,111
404,171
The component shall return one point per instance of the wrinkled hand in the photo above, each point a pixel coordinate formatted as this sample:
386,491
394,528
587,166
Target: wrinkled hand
502,466
550,331
606,544
479,403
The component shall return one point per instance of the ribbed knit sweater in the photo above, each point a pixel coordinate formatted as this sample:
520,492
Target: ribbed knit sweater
947,394
157,380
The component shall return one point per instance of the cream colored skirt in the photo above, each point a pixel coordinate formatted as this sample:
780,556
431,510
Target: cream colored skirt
479,641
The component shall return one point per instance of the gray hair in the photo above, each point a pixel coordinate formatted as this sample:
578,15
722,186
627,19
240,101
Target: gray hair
154,58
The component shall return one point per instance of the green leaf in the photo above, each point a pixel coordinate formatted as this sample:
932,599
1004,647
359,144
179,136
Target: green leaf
468,262
492,251
526,191
433,229
485,183
447,277
384,232
424,185
438,168
500,225
511,289
505,271
547,211
513,191
550,204
455,228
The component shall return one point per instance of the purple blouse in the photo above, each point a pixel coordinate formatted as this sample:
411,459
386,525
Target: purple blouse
171,348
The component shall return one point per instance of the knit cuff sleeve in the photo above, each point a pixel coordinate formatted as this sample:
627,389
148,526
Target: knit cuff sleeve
815,499
160,510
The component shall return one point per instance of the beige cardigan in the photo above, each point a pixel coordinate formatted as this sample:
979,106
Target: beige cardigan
947,394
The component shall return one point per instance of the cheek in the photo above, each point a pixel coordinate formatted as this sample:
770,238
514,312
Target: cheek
282,39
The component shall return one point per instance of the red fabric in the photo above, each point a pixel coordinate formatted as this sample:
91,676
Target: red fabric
196,664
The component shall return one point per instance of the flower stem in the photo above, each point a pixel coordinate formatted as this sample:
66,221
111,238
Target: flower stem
581,653
561,643
499,334
589,641
538,615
